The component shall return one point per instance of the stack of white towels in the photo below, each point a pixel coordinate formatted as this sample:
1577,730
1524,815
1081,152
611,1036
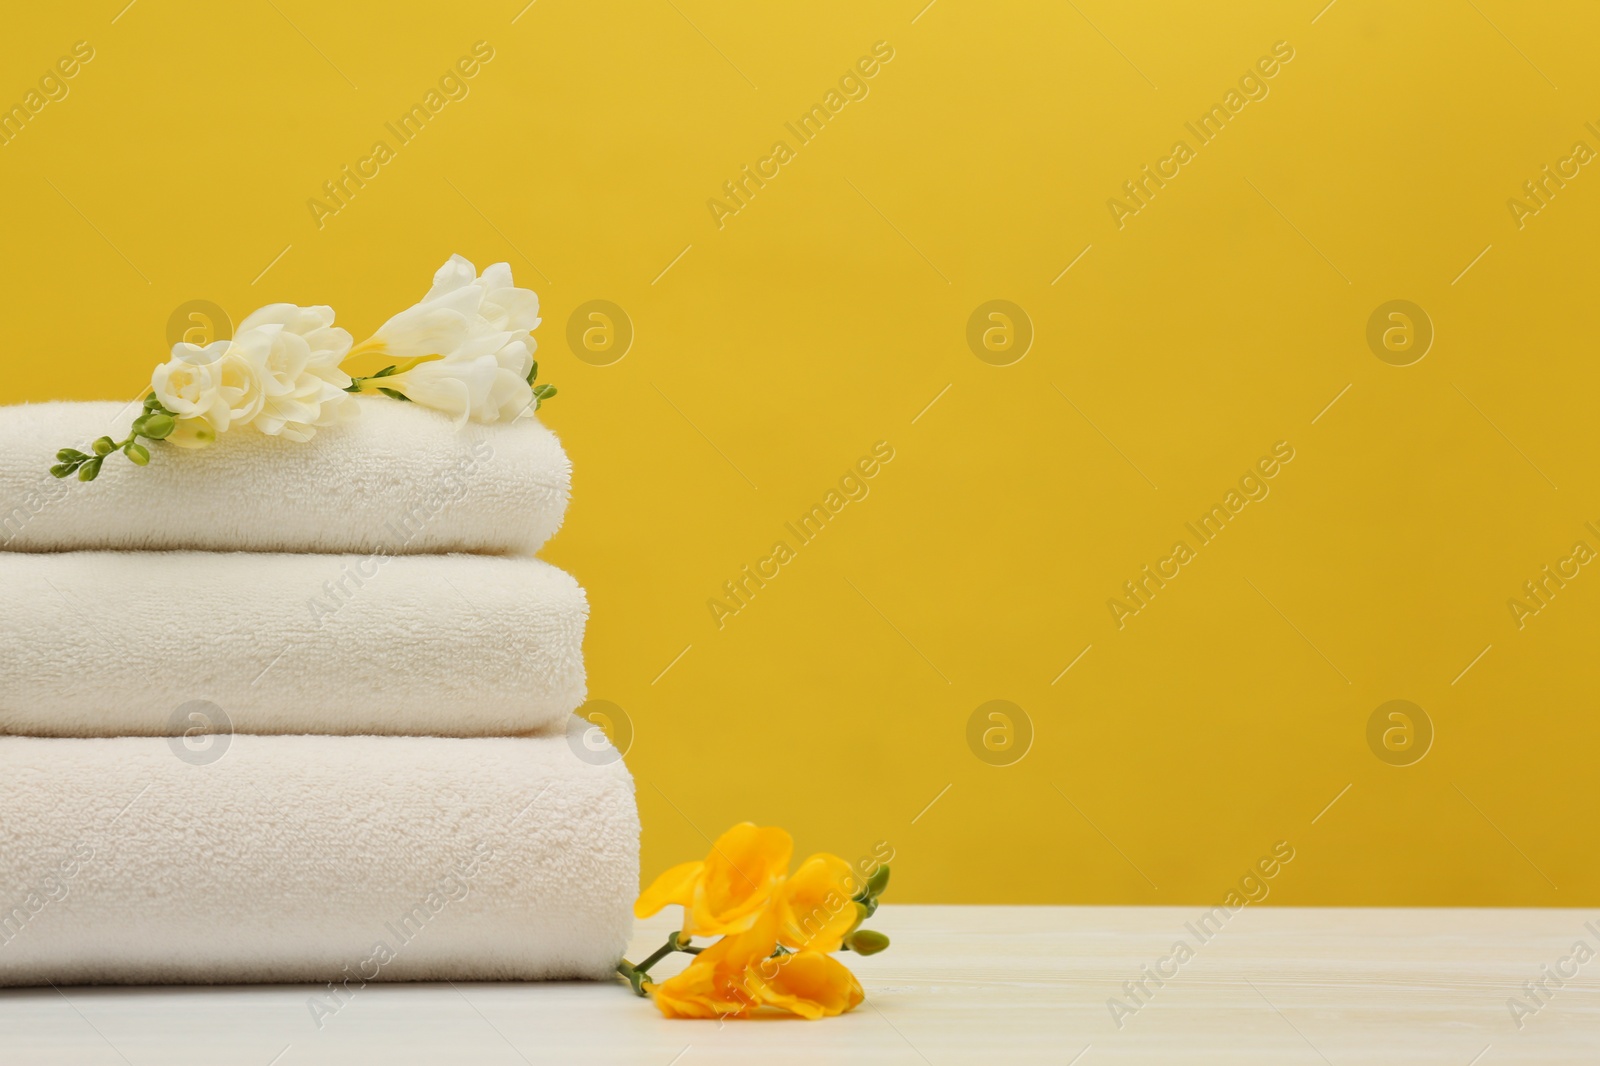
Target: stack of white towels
299,712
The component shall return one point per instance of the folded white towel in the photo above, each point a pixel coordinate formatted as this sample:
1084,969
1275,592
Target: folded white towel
324,859
399,479
105,644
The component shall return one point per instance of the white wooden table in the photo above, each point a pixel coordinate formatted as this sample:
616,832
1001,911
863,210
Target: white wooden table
960,985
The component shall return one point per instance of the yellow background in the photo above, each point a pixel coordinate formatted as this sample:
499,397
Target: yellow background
826,315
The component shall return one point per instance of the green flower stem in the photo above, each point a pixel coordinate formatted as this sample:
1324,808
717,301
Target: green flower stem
156,423
638,973
662,952
633,976
359,385
541,393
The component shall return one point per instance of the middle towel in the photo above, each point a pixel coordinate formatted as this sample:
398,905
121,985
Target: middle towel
105,644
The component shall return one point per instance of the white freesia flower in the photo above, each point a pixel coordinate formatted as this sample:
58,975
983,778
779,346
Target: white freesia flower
466,348
295,353
280,374
207,391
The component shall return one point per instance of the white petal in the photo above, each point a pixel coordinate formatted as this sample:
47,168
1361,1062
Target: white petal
421,331
511,397
448,394
290,316
515,356
514,309
195,355
328,346
496,276
466,300
482,342
456,272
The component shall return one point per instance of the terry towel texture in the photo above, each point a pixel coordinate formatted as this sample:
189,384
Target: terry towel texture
104,644
399,479
312,859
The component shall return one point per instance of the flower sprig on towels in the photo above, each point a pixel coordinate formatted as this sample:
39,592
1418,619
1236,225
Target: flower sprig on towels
157,423
778,930
465,349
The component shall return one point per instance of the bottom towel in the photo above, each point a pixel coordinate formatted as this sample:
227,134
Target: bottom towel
337,860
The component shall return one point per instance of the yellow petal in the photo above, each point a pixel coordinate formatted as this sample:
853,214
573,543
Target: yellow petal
812,985
693,994
677,885
369,346
411,364
724,980
816,911
193,433
743,871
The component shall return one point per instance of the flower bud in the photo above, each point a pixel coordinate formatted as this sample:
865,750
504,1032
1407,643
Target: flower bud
105,446
867,942
159,426
138,454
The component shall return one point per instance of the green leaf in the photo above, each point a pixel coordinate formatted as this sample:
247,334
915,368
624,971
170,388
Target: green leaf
395,395
138,454
105,446
387,371
534,373
90,470
159,426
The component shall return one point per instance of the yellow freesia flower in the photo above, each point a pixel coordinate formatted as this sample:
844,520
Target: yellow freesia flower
812,985
717,982
776,930
814,906
727,891
739,974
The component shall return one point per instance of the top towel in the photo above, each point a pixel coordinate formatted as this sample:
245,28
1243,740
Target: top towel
399,480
